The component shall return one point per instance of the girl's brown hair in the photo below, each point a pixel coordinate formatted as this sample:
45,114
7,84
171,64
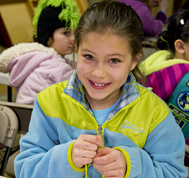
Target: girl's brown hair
117,18
178,28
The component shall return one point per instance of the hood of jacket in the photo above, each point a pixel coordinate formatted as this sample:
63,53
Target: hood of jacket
164,73
158,61
15,51
20,60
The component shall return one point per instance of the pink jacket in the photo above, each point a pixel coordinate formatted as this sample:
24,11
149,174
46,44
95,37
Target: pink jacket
33,67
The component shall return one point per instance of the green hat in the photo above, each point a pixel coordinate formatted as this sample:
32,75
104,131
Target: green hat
53,14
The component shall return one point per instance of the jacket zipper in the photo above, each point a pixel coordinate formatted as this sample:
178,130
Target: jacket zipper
100,130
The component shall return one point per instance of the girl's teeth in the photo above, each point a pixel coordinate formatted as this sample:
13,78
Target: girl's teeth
99,85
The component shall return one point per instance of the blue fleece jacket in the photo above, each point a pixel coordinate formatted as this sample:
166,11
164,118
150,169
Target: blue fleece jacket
141,126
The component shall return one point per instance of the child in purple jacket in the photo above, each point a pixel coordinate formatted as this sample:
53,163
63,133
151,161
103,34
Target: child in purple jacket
152,26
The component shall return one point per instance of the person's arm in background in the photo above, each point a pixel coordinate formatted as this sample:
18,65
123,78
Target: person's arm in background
161,15
153,26
162,4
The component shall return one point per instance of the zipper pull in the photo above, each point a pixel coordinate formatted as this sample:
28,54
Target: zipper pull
100,130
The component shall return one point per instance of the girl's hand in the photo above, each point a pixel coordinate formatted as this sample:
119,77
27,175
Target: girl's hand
84,149
110,163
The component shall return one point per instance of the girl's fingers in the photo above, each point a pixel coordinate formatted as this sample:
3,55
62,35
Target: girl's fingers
113,173
105,167
104,151
83,144
111,170
93,139
82,153
105,156
117,164
80,162
90,146
85,147
111,163
87,154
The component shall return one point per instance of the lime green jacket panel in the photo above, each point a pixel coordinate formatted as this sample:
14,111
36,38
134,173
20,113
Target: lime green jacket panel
139,118
159,60
64,107
135,120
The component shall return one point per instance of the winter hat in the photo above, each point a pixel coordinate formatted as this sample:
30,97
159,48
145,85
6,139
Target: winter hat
53,14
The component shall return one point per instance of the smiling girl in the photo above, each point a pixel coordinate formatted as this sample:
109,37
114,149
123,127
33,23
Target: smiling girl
102,122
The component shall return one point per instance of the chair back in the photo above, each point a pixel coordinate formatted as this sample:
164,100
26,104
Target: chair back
8,126
8,131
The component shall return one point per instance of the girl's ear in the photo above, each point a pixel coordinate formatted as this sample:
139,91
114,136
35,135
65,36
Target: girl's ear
135,62
49,42
179,46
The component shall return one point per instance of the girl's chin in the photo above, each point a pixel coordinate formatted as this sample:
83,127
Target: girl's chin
95,97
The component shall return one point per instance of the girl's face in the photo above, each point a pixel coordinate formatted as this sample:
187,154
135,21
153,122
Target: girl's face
62,41
104,62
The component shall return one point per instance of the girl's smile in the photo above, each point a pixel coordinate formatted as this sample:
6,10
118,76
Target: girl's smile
104,62
99,86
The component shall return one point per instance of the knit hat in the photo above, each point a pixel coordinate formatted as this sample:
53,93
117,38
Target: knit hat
53,14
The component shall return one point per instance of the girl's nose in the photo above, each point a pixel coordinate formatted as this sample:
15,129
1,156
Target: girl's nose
99,72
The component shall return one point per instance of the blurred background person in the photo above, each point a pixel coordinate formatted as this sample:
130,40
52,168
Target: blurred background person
36,65
152,26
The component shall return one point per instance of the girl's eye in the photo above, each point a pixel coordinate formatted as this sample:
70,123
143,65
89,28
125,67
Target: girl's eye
114,61
66,33
89,57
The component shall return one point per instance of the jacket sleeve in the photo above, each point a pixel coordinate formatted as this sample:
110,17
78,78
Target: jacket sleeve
151,25
41,154
162,155
161,15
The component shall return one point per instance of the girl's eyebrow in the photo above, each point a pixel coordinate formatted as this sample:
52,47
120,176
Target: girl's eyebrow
87,50
117,54
114,54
